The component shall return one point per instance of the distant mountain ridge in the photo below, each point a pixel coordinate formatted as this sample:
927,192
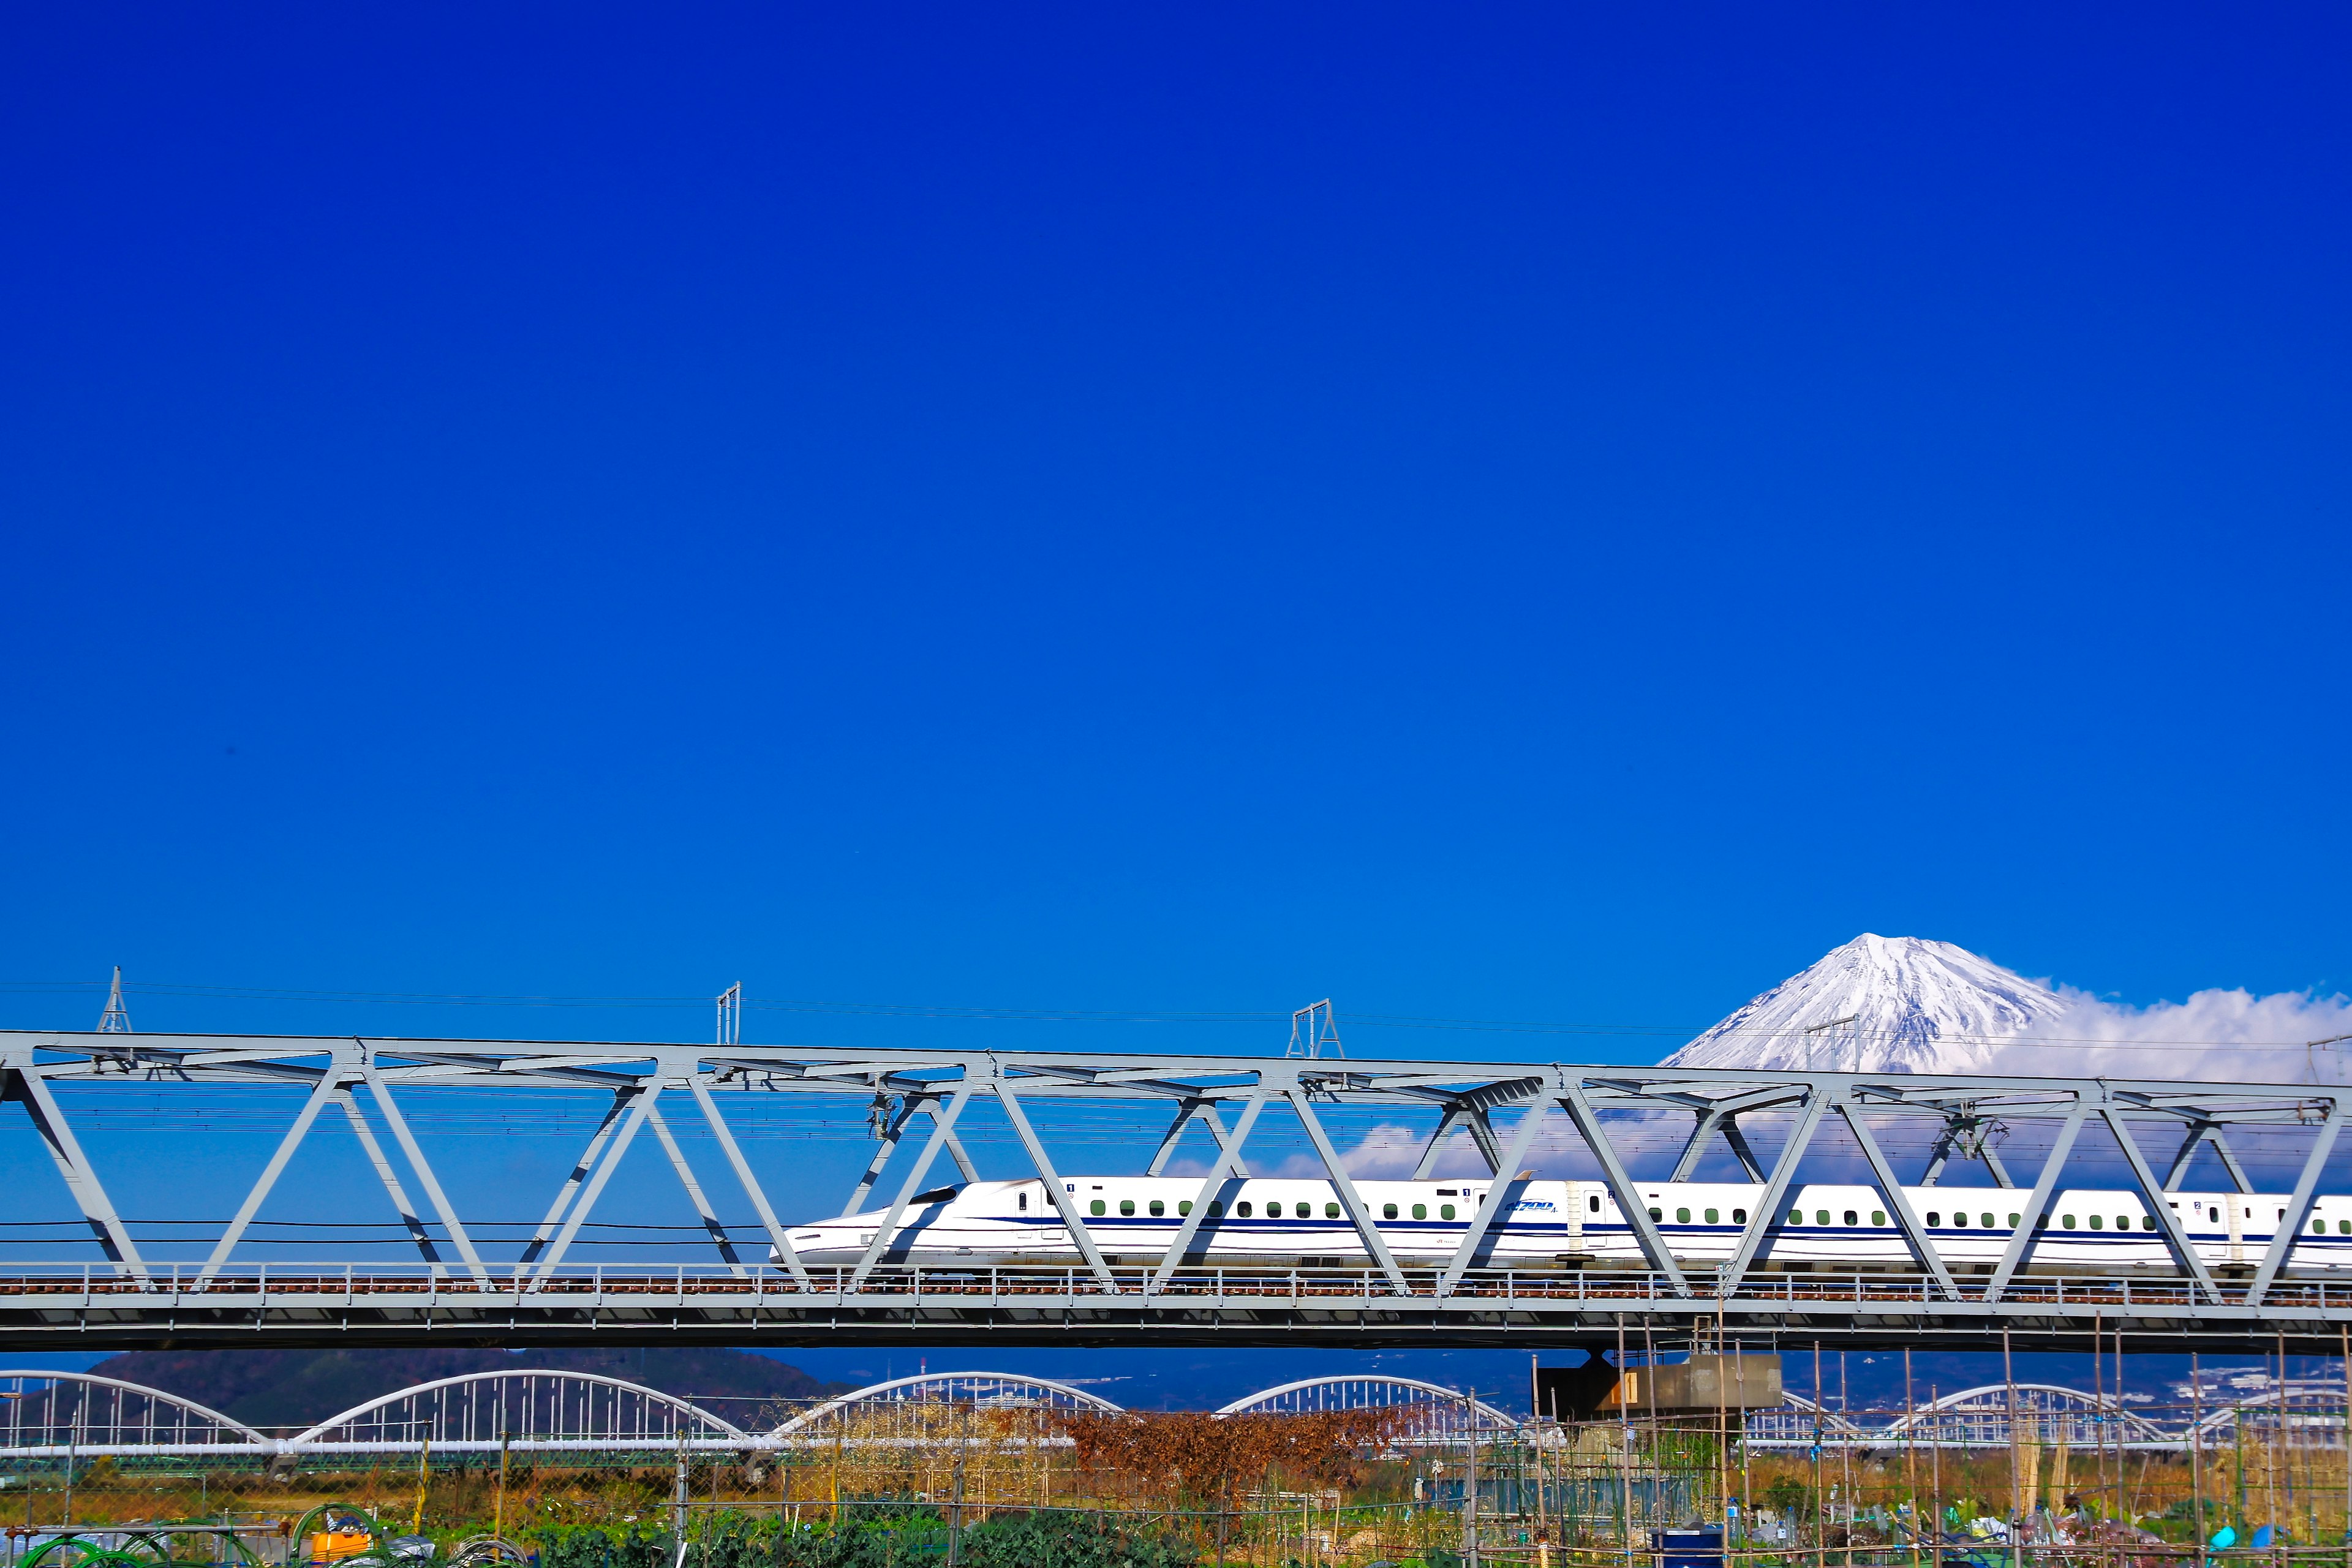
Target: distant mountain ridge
1915,1006
296,1389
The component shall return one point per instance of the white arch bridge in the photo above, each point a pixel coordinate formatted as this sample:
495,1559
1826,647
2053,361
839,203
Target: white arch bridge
58,1418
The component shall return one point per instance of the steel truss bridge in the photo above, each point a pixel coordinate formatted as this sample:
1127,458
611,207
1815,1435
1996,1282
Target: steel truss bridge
456,1292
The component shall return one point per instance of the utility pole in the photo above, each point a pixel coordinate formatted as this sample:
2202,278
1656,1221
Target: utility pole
731,1014
2310,1060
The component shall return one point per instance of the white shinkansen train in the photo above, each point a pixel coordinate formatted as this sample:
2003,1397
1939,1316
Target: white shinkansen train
1274,1222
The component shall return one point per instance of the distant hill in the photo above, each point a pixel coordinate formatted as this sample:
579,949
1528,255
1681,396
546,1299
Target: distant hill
285,1388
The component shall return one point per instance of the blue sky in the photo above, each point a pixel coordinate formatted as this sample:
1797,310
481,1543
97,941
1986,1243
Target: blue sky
1539,514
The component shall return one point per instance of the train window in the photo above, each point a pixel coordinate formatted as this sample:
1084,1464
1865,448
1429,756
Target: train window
1388,1211
1446,1211
1274,1211
1710,1216
1682,1217
1988,1221
1024,1202
1096,1206
1157,1208
2094,1222
1934,1219
1740,1217
1853,1218
1657,1213
1184,1205
1421,1211
1821,1216
1878,1217
1330,1211
1796,1216
2147,1222
1216,1208
2344,1227
1960,1220
2123,1221
1241,1209
2013,1220
2067,1220
1593,1202
1127,1205
2319,1225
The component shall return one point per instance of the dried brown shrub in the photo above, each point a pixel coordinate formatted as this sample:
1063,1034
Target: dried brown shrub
1193,1454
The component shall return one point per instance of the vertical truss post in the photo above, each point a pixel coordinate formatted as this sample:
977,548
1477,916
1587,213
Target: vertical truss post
1469,1118
710,1222
571,1184
320,1094
641,1105
886,1232
1991,1158
1227,1164
1044,1165
2045,1185
1436,1144
2298,1206
1502,1191
1352,1201
2183,1254
425,1177
29,1087
1766,1219
750,1184
1629,1197
1914,1235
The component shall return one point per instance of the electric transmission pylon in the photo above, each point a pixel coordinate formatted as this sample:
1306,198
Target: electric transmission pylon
731,1014
116,1019
1312,1028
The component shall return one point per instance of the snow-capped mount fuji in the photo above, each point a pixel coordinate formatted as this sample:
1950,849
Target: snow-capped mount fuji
1917,1006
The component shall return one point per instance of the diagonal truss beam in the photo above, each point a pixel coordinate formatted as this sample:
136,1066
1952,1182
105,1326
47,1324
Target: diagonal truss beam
1226,1167
1503,1192
425,1177
888,1231
563,1195
777,1238
1206,1111
2184,1255
710,1221
1629,1197
1349,1199
2298,1206
640,1107
1914,1235
1460,1117
2203,1132
1769,1215
417,1230
328,1087
2037,1207
30,1088
1055,1188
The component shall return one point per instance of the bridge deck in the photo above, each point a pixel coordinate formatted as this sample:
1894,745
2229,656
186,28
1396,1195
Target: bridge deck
94,1306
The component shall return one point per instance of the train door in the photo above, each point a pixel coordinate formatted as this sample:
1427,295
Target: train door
2235,1204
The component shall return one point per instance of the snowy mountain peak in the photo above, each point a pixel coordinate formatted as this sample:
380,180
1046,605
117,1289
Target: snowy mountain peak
1916,1005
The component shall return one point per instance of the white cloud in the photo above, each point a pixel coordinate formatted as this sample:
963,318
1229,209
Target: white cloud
2219,1036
